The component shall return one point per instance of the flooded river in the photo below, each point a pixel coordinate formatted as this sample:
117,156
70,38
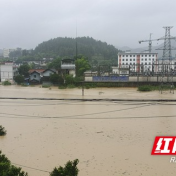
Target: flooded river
108,137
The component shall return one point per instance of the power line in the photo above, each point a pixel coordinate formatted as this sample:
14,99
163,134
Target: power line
78,115
31,168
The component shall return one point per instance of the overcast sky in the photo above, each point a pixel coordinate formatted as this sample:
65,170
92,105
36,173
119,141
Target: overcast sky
26,23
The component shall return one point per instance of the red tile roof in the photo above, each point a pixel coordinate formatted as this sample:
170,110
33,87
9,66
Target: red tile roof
37,70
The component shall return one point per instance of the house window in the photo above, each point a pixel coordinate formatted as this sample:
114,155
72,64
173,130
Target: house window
123,56
126,59
145,55
145,59
130,55
35,76
133,59
130,59
142,55
133,55
126,55
149,55
123,59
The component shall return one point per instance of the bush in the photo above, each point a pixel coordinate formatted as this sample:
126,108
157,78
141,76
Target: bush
19,79
2,131
145,88
46,86
6,83
62,87
70,169
71,86
56,79
6,169
69,79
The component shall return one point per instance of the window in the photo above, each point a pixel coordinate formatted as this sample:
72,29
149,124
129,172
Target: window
133,55
123,55
142,55
153,55
123,59
145,55
126,59
149,55
126,63
133,59
130,59
141,59
149,59
126,55
146,63
145,59
130,55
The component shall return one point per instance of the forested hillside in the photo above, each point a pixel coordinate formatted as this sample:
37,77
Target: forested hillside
95,51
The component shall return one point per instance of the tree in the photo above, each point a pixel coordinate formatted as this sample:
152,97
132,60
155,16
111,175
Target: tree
19,79
56,79
2,131
69,79
6,169
56,63
70,169
24,69
82,65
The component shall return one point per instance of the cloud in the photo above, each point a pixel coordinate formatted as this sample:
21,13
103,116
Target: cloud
27,23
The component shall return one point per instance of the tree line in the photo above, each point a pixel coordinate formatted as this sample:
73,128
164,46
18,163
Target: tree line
96,51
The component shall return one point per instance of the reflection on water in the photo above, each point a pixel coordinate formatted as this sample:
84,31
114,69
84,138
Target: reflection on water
109,138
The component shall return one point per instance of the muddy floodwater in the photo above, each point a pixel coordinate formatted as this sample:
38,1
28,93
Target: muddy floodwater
108,137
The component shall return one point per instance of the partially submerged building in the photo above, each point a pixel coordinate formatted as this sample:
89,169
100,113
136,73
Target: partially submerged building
68,67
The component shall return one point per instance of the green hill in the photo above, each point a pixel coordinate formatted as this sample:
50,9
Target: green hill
97,52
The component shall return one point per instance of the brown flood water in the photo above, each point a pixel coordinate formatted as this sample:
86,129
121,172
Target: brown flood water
108,138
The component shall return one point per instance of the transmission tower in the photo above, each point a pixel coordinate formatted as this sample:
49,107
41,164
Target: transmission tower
167,54
166,66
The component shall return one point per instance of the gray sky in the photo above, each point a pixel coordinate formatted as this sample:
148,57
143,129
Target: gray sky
26,23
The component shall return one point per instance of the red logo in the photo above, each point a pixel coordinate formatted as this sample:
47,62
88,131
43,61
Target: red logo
164,145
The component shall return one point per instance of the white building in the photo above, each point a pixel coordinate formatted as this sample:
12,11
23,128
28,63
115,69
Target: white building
137,62
7,71
68,66
6,52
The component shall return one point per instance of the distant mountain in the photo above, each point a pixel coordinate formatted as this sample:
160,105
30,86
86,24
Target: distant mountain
97,52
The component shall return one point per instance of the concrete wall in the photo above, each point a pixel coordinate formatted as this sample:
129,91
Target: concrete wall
88,78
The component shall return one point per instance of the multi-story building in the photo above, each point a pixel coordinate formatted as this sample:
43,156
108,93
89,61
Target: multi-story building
7,71
6,52
138,62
